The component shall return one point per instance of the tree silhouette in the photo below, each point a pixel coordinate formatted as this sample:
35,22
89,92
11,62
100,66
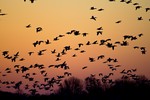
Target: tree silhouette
127,89
71,88
94,88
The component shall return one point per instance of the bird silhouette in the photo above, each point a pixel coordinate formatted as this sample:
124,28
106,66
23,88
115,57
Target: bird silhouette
32,1
142,48
93,18
99,32
67,73
84,67
2,14
101,9
110,59
35,43
136,47
59,77
17,54
140,34
16,66
82,51
55,39
138,7
41,52
31,79
74,55
115,60
95,42
117,42
33,91
84,34
102,42
147,9
118,21
47,41
111,0
122,1
93,8
91,59
76,33
67,48
88,43
61,35
130,1
17,70
140,18
22,59
110,45
4,53
30,53
54,51
134,70
100,74
100,28
100,57
8,57
143,51
14,59
38,29
57,59
133,38
39,42
51,66
135,3
17,85
28,26
124,43
123,71
127,37
63,52
80,44
118,66
68,33
76,49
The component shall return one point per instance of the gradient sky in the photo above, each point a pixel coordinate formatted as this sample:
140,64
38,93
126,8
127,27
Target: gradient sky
61,16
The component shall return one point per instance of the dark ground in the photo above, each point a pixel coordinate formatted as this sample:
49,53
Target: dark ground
72,89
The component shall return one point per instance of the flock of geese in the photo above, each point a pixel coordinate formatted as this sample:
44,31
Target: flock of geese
49,83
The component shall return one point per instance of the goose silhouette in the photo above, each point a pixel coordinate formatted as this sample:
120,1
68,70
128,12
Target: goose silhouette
38,29
93,8
28,26
138,7
147,9
93,18
135,3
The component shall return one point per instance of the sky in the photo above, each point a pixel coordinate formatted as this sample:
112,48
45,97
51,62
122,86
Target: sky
57,17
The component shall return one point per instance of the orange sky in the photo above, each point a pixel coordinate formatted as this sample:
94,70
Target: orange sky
59,17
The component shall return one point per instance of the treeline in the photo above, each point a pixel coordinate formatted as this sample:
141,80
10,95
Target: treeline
92,88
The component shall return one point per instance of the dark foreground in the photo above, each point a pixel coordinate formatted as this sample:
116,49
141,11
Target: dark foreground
92,89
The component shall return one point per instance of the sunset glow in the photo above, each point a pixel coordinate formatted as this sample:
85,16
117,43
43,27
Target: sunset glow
63,24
